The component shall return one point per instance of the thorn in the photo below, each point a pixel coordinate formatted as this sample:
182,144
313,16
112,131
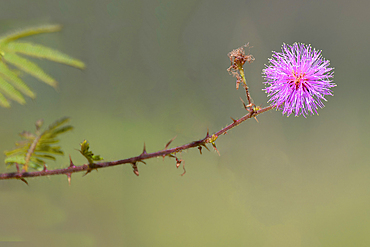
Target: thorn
207,136
178,162
256,119
206,147
24,180
168,143
183,167
142,162
214,146
71,162
251,105
200,149
87,172
233,119
69,178
144,150
244,105
45,168
89,169
169,155
136,171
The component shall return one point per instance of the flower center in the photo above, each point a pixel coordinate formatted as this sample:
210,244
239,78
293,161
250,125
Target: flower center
298,81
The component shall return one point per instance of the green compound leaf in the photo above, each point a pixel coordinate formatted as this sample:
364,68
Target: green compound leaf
35,148
88,154
11,86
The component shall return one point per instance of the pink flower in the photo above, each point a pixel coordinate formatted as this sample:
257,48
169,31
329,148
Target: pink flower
298,79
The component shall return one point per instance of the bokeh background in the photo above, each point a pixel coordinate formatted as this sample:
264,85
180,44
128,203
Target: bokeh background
157,69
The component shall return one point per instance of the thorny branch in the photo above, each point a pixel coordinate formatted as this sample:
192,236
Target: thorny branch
237,58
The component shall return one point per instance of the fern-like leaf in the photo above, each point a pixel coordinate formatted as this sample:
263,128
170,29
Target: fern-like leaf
11,86
34,148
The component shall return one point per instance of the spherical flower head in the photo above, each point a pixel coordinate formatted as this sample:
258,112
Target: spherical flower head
298,78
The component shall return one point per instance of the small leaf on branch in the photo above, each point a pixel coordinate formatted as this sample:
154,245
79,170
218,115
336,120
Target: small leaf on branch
90,156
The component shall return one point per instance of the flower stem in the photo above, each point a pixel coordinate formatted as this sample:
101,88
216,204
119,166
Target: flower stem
242,74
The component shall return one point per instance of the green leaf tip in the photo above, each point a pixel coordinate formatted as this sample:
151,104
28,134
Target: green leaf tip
43,52
21,33
36,147
90,156
11,52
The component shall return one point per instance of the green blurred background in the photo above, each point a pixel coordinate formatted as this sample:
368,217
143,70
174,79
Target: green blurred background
157,69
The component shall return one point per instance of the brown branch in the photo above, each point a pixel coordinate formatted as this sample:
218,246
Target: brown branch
237,58
133,160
